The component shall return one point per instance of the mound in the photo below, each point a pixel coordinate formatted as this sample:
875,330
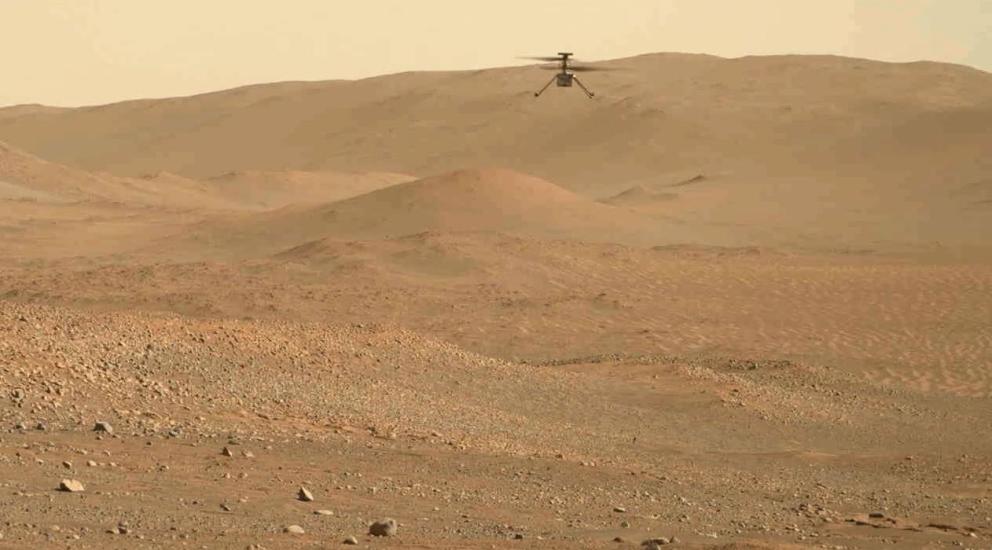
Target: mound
482,201
276,189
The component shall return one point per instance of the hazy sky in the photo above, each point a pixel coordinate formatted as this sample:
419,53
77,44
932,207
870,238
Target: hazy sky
73,52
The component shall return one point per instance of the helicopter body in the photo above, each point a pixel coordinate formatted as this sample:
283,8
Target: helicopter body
566,73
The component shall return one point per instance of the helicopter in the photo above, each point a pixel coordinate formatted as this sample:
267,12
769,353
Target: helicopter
566,73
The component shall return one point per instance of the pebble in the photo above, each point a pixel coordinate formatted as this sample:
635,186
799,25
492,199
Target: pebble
71,486
226,452
305,495
384,528
294,530
620,510
104,427
323,512
351,541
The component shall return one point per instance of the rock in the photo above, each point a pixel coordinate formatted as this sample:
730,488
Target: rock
618,539
305,495
40,427
91,463
351,541
71,486
294,530
518,536
620,510
227,452
655,544
323,512
384,528
104,427
66,464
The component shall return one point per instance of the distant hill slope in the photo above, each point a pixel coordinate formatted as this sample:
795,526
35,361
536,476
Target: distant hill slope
25,177
664,113
276,189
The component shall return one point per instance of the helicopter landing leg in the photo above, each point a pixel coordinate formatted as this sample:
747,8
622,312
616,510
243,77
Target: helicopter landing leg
583,86
538,94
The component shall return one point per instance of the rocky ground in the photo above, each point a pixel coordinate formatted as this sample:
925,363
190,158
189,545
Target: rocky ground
216,425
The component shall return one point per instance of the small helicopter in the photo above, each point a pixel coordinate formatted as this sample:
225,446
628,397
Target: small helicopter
565,75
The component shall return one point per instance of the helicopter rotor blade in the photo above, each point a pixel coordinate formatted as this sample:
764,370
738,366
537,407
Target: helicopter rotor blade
585,69
548,59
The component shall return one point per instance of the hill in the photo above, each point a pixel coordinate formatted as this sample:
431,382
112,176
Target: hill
662,113
491,200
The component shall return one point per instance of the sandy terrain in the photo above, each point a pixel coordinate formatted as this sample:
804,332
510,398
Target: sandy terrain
742,303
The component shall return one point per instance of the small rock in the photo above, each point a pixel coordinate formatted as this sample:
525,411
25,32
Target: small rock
40,427
67,464
620,510
305,495
384,528
71,486
247,454
654,544
227,452
518,536
618,539
324,512
104,427
294,530
351,541
91,463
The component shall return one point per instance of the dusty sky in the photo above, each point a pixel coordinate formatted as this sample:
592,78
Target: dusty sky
76,52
